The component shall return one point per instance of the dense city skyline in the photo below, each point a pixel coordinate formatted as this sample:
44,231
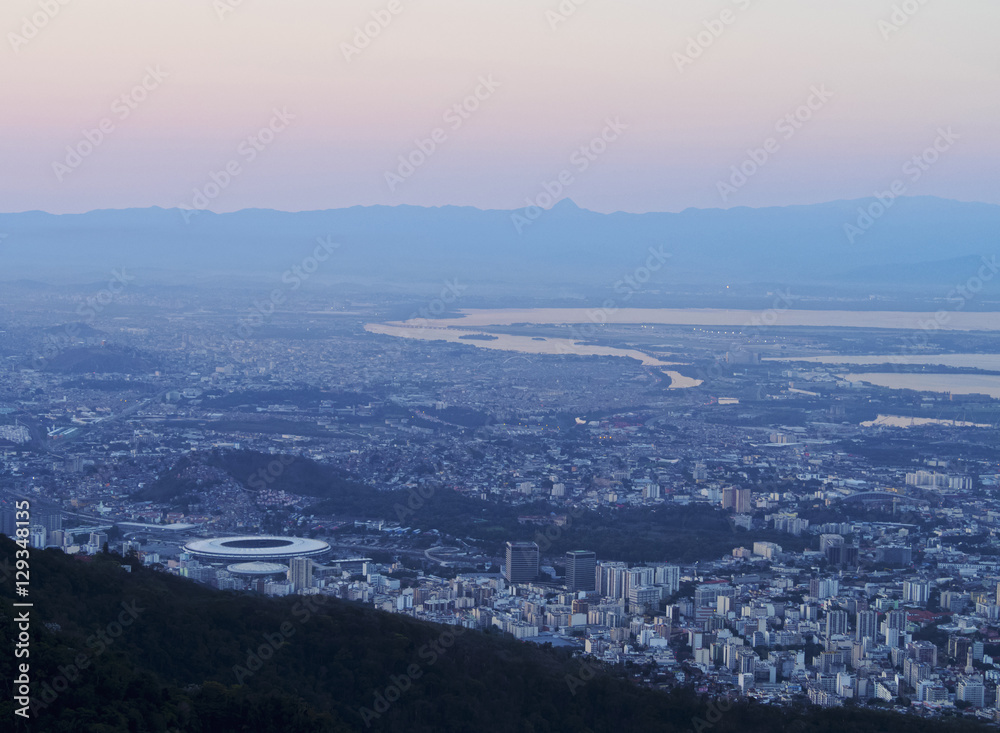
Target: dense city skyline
492,366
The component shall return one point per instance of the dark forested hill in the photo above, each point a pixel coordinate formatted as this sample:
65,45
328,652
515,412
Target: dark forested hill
141,651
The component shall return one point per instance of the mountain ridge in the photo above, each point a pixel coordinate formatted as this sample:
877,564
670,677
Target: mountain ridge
798,245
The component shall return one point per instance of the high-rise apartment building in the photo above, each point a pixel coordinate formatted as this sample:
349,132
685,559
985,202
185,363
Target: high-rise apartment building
522,562
300,571
836,623
581,570
916,591
737,499
866,625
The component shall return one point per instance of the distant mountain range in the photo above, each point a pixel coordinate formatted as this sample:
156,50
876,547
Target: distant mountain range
920,243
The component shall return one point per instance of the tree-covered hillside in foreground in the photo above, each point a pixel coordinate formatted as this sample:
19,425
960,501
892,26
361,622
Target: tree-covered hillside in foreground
142,651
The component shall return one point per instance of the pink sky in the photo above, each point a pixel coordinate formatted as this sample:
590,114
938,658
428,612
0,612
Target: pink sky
555,81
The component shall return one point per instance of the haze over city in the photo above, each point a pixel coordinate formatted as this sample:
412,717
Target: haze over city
564,365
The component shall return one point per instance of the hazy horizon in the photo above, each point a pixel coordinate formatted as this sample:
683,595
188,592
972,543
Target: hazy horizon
491,208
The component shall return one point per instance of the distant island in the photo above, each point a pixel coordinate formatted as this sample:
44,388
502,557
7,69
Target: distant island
479,337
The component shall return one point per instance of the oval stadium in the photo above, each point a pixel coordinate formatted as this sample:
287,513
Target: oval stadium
257,569
252,548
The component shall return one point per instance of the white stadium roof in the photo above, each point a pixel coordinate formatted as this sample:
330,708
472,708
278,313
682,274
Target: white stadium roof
250,548
257,568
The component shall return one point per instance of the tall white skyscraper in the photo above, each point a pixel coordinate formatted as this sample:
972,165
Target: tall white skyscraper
300,573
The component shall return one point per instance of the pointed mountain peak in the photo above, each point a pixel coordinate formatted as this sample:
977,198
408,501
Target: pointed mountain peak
566,205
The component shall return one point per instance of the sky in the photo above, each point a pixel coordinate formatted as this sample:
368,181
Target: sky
639,105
